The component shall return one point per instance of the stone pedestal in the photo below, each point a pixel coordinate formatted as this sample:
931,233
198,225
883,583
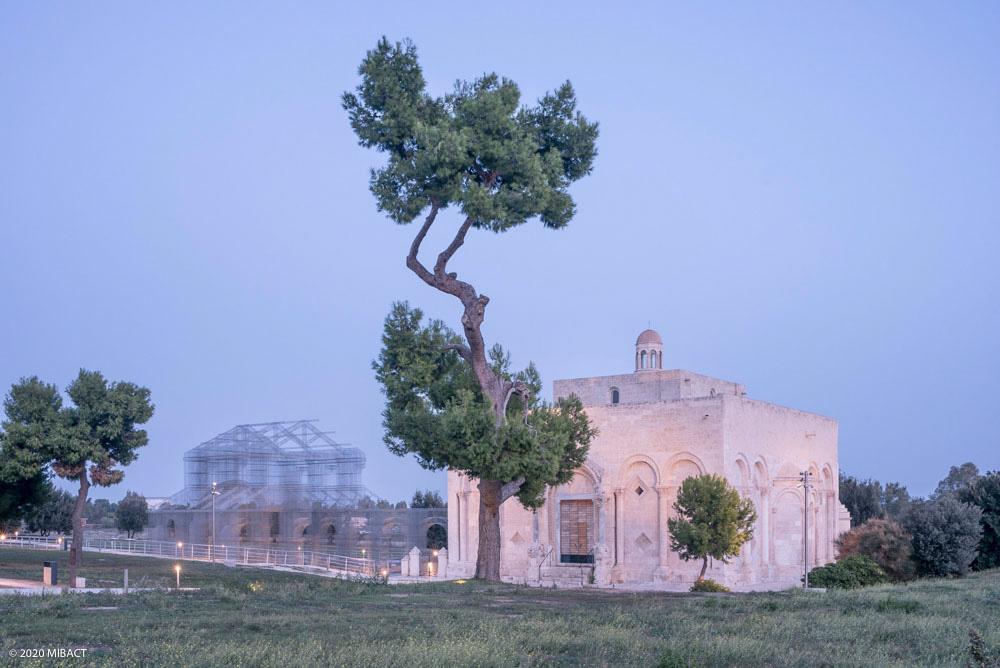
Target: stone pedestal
442,564
413,562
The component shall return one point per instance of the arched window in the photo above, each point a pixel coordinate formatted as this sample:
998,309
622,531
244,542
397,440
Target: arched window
652,360
331,533
615,397
171,529
642,360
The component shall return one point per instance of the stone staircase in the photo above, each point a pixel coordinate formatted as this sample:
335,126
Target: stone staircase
565,576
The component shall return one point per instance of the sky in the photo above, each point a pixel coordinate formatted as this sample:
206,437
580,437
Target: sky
800,197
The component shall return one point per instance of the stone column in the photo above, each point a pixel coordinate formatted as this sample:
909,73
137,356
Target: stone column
466,554
663,497
617,574
765,528
442,564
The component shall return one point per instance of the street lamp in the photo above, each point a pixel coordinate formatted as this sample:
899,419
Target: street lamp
806,478
177,570
215,493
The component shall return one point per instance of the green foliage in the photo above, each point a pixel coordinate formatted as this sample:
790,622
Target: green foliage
984,492
428,499
958,480
97,432
868,499
712,520
708,585
227,623
851,572
434,409
477,148
132,514
862,498
885,542
54,514
19,497
946,535
895,500
437,537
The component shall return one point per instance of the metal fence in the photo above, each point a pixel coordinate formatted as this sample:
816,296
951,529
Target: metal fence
248,556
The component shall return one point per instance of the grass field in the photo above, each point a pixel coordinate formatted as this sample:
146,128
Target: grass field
245,617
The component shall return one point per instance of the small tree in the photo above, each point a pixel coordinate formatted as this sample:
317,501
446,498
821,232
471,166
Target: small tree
428,499
885,542
132,514
54,514
712,520
85,442
945,534
985,494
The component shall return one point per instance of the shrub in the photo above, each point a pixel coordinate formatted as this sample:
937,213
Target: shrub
708,585
885,542
850,572
945,534
985,493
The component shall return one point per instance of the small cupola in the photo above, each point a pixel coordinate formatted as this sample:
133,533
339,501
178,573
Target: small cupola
649,351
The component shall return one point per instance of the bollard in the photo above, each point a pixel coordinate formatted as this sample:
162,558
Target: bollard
50,573
125,588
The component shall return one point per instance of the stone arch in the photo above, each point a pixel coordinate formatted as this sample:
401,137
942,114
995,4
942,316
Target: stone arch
683,465
615,396
761,477
827,477
787,533
436,536
745,473
300,528
625,477
171,529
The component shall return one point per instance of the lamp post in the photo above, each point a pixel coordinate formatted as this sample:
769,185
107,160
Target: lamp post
177,570
215,493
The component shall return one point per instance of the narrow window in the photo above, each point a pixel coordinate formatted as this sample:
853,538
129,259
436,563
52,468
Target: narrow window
576,532
614,395
652,360
642,360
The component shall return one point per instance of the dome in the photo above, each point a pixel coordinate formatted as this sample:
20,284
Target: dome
649,336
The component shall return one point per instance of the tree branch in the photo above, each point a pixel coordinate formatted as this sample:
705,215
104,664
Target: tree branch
456,243
461,349
411,260
510,489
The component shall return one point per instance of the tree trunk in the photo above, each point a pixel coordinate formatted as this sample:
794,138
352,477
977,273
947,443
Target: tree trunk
496,389
488,557
704,567
76,549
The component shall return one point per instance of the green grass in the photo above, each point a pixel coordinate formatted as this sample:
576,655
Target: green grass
245,617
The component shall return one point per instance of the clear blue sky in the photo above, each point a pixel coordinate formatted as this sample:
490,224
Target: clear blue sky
802,197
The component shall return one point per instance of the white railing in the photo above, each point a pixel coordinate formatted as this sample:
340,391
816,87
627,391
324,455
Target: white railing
238,554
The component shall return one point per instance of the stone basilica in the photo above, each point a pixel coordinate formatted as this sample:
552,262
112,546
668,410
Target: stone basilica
656,427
